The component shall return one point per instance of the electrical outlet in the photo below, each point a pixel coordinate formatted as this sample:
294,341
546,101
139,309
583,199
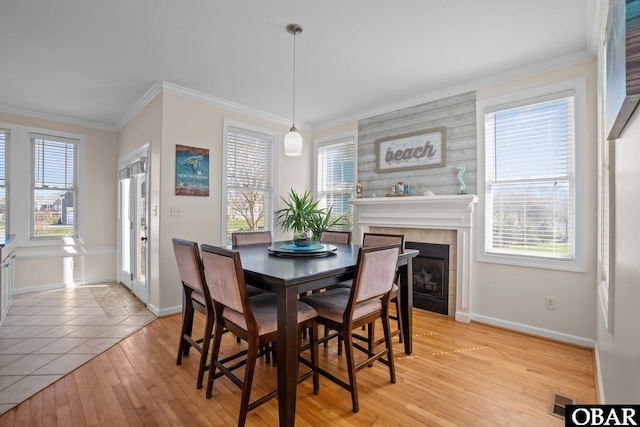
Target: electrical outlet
550,303
74,263
175,211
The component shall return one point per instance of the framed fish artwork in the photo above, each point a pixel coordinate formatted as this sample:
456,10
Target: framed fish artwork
192,171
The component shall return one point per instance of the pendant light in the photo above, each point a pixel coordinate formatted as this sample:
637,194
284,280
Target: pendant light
293,139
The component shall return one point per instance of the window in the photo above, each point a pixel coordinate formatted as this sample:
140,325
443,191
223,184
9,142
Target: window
4,187
530,188
249,167
54,193
335,175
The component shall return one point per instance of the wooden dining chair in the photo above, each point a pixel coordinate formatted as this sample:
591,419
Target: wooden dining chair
253,319
332,236
367,300
195,297
254,238
373,239
250,238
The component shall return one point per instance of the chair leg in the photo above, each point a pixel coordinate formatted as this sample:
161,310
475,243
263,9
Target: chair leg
399,318
326,334
208,330
217,338
351,367
313,336
187,326
250,368
387,340
371,329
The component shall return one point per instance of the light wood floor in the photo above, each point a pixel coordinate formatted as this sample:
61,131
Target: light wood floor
458,375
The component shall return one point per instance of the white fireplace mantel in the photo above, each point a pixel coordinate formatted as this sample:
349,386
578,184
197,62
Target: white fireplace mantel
456,212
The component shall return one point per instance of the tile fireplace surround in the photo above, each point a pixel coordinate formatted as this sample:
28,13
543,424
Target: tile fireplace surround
413,215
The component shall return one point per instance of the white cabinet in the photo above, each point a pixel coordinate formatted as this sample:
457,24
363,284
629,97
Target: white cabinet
7,271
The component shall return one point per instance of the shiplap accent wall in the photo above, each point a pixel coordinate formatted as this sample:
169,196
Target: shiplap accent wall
457,114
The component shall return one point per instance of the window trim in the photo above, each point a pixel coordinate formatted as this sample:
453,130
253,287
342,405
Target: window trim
7,176
329,140
33,137
21,188
226,124
521,98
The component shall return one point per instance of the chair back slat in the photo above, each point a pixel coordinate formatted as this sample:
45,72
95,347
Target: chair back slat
223,272
375,239
250,238
342,237
375,271
189,265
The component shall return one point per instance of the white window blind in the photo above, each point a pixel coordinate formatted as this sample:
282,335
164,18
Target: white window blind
336,177
530,179
249,164
4,190
54,194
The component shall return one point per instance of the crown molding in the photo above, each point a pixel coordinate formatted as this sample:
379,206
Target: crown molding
473,85
155,89
174,89
195,95
55,118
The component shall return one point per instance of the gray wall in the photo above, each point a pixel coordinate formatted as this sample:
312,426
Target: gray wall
457,114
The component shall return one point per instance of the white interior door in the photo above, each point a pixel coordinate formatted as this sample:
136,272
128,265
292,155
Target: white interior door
132,224
125,225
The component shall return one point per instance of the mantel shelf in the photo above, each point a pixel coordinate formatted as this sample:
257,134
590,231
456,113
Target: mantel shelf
453,212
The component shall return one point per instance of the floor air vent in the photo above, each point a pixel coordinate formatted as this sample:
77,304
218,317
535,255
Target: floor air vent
558,403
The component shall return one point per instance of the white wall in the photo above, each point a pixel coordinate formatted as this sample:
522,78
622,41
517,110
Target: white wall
146,127
514,296
619,353
169,120
46,268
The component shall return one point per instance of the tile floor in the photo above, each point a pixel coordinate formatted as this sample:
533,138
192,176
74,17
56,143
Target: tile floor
48,334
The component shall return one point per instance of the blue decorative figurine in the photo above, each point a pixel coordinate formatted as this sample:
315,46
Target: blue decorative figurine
462,169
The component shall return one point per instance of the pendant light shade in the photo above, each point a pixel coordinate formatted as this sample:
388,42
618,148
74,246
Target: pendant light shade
293,143
293,139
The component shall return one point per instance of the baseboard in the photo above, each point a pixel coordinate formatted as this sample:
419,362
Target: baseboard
25,290
159,312
558,336
597,373
462,317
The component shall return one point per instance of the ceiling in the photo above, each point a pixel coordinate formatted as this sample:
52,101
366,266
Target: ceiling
92,61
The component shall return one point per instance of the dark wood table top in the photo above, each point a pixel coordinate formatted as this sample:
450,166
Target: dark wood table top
306,273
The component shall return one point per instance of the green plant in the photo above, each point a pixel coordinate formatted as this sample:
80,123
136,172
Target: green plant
299,213
323,221
302,214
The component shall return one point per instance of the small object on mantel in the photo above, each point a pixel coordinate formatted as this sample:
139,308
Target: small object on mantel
462,169
429,193
359,189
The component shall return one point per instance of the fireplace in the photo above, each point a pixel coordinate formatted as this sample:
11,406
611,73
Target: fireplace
409,215
431,277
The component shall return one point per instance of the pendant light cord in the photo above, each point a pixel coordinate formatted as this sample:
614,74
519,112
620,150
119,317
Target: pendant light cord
294,79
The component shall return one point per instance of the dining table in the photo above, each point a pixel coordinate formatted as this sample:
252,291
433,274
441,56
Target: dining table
287,273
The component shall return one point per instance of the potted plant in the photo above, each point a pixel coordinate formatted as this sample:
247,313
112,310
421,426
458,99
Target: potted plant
298,216
302,216
323,221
